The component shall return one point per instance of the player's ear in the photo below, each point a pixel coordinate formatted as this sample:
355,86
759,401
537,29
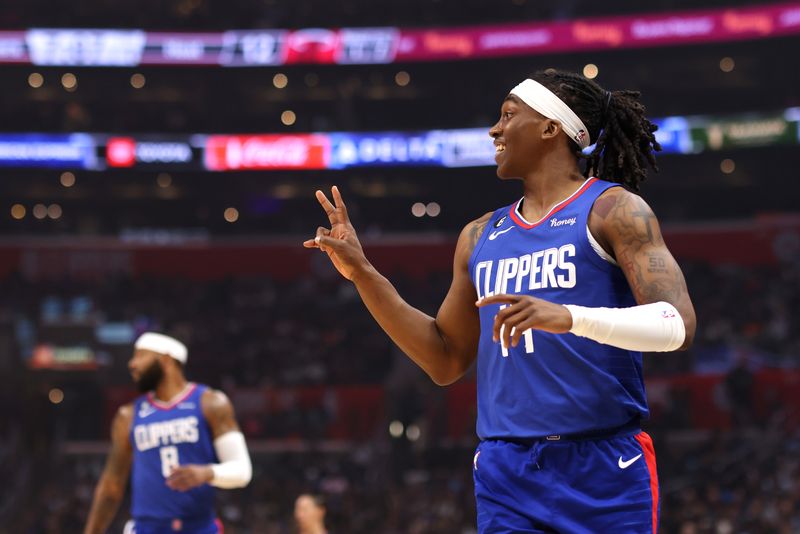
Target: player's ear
551,129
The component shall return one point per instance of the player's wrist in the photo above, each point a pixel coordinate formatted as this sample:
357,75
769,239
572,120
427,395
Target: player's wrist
362,272
567,319
208,473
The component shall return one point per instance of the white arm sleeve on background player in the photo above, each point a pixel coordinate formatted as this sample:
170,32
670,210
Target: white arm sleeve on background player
234,469
656,327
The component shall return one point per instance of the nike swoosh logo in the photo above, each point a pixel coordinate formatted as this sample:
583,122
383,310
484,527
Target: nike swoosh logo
624,464
494,234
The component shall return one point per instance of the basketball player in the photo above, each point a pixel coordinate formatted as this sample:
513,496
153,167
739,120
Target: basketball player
309,514
556,296
181,440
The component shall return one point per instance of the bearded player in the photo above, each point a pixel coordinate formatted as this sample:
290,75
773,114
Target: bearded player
179,439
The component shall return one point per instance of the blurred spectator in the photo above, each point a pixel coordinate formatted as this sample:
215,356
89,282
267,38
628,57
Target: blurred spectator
255,334
309,514
739,387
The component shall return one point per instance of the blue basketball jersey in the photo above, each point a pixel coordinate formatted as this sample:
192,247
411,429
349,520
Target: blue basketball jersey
164,436
552,383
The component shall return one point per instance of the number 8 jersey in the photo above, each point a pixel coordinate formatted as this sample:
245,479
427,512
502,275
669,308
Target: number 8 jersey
552,384
164,436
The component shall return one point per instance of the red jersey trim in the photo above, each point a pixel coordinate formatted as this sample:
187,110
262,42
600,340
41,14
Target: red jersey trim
558,207
161,405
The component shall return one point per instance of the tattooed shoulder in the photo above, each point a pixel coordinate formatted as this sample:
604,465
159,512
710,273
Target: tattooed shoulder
628,219
475,230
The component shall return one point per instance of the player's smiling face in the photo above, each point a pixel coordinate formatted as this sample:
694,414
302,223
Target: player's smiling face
516,138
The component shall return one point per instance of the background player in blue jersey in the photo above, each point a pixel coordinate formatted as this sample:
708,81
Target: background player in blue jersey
556,296
179,439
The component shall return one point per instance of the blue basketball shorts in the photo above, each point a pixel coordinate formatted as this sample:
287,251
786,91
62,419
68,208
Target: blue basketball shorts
171,526
592,486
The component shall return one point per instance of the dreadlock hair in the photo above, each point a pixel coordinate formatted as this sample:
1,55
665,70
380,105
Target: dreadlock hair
625,143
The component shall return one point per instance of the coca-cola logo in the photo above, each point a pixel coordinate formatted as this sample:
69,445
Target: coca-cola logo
267,152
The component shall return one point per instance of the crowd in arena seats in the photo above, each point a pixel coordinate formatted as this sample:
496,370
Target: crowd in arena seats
746,317
260,333
240,331
256,331
740,482
743,482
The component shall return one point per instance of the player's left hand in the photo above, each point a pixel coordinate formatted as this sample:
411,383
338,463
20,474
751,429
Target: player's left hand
186,477
524,312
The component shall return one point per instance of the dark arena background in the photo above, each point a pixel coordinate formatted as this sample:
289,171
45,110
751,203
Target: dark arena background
158,162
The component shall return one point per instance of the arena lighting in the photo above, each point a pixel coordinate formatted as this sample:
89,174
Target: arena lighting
55,395
67,179
40,211
69,81
413,433
54,211
231,215
433,209
727,64
418,209
727,166
164,180
280,80
137,81
35,80
396,429
285,191
288,117
18,211
402,78
591,71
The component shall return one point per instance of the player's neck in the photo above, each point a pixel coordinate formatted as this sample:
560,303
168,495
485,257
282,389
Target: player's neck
553,177
170,388
552,181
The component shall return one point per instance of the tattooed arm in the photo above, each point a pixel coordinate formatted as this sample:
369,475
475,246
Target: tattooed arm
627,228
111,487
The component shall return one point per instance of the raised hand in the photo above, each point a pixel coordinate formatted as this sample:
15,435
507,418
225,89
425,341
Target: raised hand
524,312
339,241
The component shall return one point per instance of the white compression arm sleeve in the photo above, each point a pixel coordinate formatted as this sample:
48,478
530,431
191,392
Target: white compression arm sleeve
656,327
234,469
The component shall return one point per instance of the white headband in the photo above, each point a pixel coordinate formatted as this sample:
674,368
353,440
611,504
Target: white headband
163,345
548,104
